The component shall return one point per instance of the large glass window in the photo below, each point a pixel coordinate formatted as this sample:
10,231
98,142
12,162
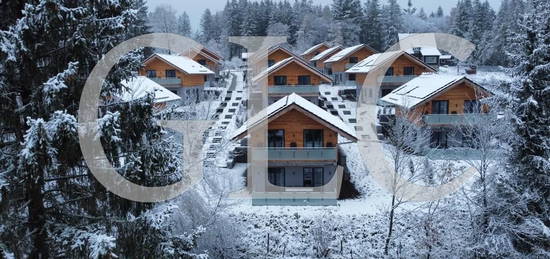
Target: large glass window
351,77
353,60
270,62
471,106
313,138
389,72
280,80
151,73
313,176
276,138
440,107
408,71
304,80
170,73
202,62
439,139
276,176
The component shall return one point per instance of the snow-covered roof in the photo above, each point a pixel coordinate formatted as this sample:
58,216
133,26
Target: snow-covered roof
293,99
246,55
426,51
183,63
326,52
403,35
308,51
346,52
140,86
422,89
275,67
371,62
446,57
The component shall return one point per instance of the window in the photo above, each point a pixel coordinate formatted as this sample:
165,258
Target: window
430,60
440,107
351,77
472,106
313,138
389,72
314,63
276,176
202,62
353,60
170,73
439,139
329,71
280,80
313,176
270,62
408,71
205,78
304,80
276,138
151,73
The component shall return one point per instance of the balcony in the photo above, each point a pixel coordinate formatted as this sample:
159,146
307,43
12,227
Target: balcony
453,119
288,89
301,154
349,65
167,80
397,79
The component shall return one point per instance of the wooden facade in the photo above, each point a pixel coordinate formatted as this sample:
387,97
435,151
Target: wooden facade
456,95
277,55
292,71
208,61
160,67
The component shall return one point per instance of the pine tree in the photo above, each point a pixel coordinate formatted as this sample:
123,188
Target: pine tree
462,19
522,214
184,25
347,16
372,26
439,12
392,23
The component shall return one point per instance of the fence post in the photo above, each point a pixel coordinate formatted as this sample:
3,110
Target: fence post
267,243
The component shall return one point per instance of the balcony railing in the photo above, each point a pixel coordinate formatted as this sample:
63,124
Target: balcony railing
167,80
453,119
299,89
301,154
397,79
349,65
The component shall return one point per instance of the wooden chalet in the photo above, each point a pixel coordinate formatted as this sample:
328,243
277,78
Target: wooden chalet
338,63
314,51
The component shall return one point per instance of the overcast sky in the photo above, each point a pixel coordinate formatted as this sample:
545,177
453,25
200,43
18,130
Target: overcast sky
195,8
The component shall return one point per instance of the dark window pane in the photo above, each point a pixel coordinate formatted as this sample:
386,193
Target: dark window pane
276,176
389,72
440,107
353,60
472,106
270,62
280,80
170,73
304,80
202,62
308,177
408,71
151,73
318,176
313,138
276,138
351,77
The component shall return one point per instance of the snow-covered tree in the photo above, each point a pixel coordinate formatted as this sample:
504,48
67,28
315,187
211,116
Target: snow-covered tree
184,25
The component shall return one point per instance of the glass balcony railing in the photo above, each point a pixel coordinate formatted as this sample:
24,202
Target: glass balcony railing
167,80
452,119
301,154
299,89
397,79
349,65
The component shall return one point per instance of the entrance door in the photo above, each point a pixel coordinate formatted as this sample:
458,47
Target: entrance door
313,176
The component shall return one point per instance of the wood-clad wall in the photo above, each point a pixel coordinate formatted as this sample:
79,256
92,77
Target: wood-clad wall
292,71
456,96
214,66
398,68
294,123
278,55
340,66
160,66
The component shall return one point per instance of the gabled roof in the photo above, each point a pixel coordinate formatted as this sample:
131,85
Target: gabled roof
425,87
275,67
182,63
348,51
211,53
326,53
314,48
140,86
426,51
294,101
380,59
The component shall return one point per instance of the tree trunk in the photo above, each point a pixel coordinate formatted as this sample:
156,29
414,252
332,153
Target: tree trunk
390,227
